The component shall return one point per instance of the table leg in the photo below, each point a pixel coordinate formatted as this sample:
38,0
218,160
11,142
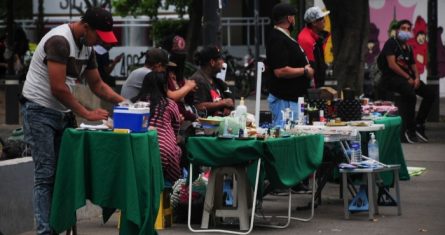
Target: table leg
375,191
345,195
397,188
370,195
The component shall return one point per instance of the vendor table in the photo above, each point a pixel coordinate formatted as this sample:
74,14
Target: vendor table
371,174
286,160
390,148
112,170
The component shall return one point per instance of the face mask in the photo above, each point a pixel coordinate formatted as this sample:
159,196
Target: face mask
291,27
404,36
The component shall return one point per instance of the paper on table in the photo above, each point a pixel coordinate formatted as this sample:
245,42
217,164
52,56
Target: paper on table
94,127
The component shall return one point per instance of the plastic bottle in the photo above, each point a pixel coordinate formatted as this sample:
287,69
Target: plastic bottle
356,147
322,118
300,114
373,148
241,116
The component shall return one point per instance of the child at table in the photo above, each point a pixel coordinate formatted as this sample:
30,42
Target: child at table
166,119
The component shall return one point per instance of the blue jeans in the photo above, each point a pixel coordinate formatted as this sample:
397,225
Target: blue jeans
43,129
276,105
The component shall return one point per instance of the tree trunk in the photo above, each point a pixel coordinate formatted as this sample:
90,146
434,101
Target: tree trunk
194,28
349,28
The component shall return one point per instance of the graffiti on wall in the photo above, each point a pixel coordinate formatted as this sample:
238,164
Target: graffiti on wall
384,15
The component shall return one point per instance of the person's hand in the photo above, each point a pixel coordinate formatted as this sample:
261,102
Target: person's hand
181,118
97,115
226,112
416,83
228,103
118,58
310,71
191,84
411,82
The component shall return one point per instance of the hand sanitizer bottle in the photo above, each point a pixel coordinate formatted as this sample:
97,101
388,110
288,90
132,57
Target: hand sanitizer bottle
373,148
241,116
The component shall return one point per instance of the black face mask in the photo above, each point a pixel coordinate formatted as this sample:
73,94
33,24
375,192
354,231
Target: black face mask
291,27
83,39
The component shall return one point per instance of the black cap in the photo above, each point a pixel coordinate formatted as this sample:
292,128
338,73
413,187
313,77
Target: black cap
207,53
158,55
102,21
283,9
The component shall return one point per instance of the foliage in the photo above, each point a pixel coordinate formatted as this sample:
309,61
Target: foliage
162,29
148,7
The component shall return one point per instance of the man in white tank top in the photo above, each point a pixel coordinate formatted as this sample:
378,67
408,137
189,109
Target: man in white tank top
63,57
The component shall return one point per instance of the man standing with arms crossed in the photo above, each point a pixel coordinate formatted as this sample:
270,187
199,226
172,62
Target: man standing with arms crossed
63,57
291,71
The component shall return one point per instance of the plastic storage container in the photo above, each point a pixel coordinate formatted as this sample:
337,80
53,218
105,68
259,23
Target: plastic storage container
134,119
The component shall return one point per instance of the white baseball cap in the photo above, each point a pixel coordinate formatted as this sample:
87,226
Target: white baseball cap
314,13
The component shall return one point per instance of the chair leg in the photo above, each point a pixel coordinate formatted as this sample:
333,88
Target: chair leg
209,200
289,217
252,217
314,188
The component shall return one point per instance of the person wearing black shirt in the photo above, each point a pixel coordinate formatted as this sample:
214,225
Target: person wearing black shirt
212,98
399,74
291,71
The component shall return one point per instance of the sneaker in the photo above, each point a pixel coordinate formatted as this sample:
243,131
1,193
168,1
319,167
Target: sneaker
420,133
301,188
409,137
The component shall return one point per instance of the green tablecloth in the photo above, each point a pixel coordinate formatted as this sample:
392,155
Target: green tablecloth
390,148
216,152
113,170
286,160
290,160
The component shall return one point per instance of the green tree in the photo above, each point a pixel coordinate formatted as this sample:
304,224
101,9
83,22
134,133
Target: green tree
150,8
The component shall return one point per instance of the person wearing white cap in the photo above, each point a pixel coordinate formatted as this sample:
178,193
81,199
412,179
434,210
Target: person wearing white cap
313,39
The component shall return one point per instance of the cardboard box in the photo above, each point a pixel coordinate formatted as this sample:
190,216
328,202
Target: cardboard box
134,119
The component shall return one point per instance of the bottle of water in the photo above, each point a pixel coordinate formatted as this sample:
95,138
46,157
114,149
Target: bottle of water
356,147
373,148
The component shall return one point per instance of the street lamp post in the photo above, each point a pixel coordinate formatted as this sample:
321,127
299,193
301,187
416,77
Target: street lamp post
433,78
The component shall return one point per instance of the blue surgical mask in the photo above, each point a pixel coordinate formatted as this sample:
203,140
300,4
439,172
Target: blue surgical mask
404,36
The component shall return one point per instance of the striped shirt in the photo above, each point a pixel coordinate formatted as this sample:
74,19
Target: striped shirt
167,127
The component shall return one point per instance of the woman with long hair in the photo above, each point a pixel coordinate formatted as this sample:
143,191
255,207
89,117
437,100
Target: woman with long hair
166,119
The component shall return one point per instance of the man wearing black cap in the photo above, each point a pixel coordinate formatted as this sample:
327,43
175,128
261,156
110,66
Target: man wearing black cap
291,72
156,59
212,98
63,58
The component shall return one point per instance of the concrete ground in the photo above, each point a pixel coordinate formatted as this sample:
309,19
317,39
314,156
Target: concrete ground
422,199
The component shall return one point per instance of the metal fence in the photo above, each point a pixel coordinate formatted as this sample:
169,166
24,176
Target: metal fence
235,30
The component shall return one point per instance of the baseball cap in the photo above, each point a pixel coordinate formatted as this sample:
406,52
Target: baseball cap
158,55
314,13
283,9
102,21
209,52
